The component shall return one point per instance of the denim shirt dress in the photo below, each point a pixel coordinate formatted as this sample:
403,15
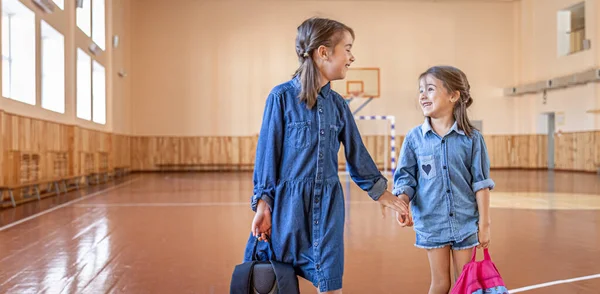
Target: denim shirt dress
441,175
296,174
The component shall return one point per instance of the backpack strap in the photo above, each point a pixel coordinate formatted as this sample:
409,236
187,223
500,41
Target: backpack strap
287,281
241,278
486,254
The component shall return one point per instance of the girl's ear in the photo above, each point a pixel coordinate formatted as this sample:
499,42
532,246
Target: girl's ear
455,96
322,52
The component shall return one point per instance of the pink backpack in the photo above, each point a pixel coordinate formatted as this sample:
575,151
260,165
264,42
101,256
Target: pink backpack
479,277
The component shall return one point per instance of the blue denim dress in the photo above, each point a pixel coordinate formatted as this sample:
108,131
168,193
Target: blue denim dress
296,174
441,175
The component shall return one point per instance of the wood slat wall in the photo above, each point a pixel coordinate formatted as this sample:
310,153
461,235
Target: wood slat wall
24,134
574,151
228,153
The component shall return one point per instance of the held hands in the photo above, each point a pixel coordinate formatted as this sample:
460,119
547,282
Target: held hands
404,220
261,225
395,203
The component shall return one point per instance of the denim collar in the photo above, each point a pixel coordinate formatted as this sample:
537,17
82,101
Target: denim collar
325,90
426,127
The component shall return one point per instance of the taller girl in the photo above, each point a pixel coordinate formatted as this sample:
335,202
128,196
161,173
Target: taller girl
298,197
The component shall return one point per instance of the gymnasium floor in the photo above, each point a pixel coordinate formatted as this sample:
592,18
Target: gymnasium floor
184,233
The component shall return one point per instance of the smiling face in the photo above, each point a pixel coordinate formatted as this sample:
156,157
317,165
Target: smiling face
435,99
336,61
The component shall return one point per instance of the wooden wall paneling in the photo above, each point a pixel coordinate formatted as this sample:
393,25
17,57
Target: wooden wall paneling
564,151
541,151
226,155
189,150
574,151
73,150
144,153
584,151
168,150
248,151
235,151
521,147
121,151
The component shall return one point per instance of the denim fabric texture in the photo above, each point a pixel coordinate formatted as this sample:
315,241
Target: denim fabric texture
441,176
296,174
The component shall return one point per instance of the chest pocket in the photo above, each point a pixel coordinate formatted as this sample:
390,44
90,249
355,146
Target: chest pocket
298,134
334,141
427,167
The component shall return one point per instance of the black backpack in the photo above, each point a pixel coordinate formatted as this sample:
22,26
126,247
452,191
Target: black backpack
264,277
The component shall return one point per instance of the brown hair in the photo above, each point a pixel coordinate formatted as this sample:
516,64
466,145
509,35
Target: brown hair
455,80
313,33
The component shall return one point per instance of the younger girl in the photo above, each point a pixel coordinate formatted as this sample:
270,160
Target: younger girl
298,197
444,173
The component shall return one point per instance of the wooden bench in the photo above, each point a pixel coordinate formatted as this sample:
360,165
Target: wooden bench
27,171
121,171
100,172
53,185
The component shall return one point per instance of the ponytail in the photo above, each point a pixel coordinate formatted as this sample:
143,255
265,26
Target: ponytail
460,113
309,79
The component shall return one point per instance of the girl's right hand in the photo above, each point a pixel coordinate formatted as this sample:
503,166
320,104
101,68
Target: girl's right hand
404,220
261,225
389,200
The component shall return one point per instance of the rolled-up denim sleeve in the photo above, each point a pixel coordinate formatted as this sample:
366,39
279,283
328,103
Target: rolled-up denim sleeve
480,165
362,168
268,152
405,175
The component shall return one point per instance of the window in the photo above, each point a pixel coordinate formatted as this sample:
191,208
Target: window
84,17
91,89
571,30
18,52
84,85
53,69
99,93
98,23
60,4
91,19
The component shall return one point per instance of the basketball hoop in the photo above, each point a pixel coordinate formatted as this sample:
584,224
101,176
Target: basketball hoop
356,94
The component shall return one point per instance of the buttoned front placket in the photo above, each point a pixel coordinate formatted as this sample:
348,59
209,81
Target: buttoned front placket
319,183
447,184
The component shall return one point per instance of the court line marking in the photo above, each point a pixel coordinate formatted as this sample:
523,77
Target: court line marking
66,204
203,204
548,284
180,204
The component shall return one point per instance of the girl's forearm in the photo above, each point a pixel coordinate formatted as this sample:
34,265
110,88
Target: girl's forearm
483,204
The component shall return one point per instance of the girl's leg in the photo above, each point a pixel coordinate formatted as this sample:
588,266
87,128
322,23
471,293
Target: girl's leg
460,258
439,262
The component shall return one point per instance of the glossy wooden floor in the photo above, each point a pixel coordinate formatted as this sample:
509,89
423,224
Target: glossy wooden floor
184,233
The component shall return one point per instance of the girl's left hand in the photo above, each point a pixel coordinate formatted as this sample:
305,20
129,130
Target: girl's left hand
389,200
484,236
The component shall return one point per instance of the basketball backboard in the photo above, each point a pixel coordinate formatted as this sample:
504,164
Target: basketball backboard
359,82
